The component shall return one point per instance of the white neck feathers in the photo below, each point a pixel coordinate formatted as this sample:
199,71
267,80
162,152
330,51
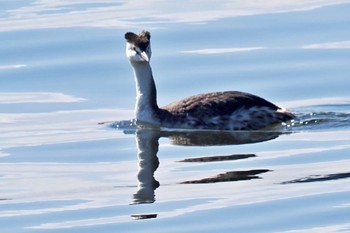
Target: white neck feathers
146,99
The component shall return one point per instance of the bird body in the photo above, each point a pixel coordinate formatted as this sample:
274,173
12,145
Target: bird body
229,110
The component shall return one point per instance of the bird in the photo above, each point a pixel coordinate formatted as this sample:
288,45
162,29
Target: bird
225,110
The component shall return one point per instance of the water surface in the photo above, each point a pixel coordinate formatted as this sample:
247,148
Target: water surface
63,71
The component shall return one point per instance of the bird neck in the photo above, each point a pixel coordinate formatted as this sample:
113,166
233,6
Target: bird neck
146,95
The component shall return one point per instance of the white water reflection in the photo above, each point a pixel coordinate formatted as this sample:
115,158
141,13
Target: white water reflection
151,13
221,50
10,67
341,228
303,103
329,45
29,129
36,97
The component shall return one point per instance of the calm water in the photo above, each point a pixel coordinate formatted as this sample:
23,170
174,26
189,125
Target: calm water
63,71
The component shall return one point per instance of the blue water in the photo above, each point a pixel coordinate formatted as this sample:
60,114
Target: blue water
63,72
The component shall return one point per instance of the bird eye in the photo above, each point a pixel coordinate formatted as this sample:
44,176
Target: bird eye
136,50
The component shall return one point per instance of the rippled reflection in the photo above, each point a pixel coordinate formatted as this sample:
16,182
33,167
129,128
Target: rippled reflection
37,14
319,178
148,146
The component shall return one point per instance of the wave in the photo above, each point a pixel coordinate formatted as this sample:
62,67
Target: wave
320,117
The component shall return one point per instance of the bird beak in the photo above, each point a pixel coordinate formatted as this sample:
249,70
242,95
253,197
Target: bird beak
144,56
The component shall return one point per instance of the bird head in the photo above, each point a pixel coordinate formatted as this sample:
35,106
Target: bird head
138,47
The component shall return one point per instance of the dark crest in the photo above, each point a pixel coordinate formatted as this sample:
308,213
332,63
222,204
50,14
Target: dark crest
141,40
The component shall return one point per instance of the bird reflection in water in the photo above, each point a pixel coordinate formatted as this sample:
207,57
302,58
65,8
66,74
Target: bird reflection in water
147,148
148,145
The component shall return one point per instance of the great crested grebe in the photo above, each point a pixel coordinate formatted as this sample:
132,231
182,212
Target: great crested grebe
229,110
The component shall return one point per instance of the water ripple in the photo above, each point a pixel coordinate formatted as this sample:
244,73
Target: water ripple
107,14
